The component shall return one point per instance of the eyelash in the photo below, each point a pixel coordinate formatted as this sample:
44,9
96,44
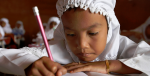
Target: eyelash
70,34
92,34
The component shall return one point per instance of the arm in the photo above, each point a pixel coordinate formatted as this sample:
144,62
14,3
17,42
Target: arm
117,66
133,59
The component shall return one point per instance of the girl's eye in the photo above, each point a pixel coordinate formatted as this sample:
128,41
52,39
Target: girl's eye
70,34
92,34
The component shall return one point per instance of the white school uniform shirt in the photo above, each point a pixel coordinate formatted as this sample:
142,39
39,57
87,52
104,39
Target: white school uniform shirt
118,47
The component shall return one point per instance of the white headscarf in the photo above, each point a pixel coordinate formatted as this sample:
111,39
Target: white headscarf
21,26
53,19
7,28
104,7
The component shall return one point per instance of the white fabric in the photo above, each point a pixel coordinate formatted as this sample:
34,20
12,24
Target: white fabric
2,32
7,28
20,30
39,39
53,19
22,58
118,47
48,32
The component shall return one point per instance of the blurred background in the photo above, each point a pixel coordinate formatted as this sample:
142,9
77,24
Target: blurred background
130,13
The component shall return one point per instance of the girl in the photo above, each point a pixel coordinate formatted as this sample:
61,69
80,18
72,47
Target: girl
6,26
19,32
88,34
53,22
19,29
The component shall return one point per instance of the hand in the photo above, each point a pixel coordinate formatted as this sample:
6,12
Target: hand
99,67
45,67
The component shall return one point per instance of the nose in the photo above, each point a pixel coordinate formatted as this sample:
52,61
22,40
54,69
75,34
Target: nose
82,42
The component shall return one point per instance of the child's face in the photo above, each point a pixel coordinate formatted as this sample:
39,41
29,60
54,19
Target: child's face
52,24
18,25
86,33
2,23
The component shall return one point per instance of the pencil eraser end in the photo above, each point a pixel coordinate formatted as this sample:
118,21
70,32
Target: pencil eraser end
35,10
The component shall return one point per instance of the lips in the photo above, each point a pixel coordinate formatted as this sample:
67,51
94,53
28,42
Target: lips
85,54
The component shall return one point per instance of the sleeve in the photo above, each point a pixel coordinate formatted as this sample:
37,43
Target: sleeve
136,56
14,61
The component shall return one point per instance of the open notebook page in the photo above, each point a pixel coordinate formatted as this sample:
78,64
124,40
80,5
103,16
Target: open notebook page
87,74
96,74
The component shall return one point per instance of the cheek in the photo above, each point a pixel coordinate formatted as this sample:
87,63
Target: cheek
72,45
98,44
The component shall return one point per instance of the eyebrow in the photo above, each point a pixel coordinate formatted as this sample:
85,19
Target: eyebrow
94,25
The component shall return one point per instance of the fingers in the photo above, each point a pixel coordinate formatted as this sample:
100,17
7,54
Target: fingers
45,67
61,71
34,72
84,68
72,64
45,72
74,67
38,69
